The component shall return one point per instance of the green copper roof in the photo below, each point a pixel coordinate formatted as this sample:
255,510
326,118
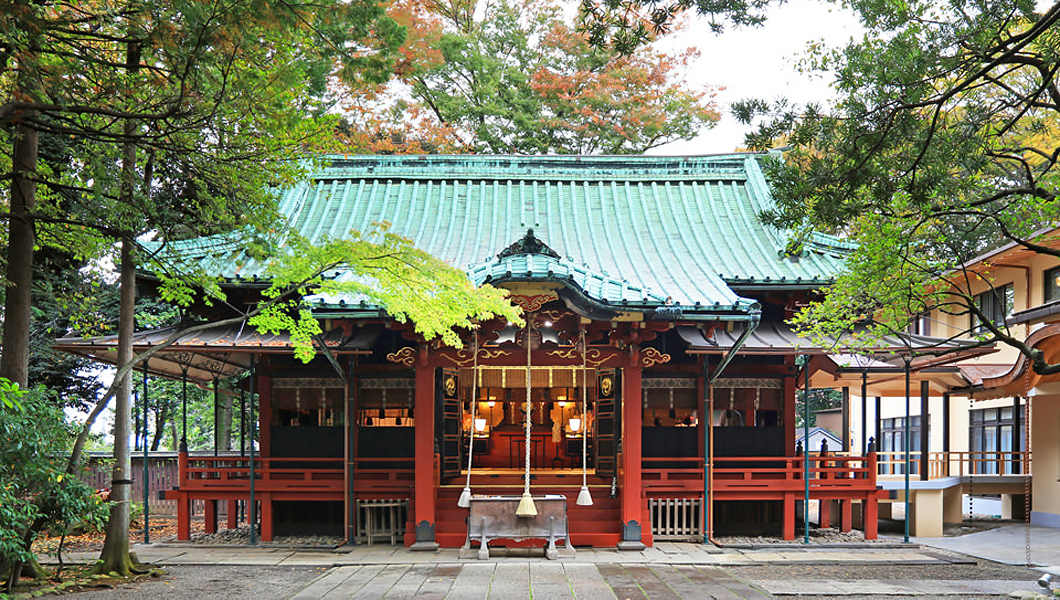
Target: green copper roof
624,228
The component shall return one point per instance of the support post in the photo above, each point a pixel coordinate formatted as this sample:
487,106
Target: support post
925,455
351,450
905,439
252,504
846,419
1017,436
946,432
630,477
424,479
146,471
864,412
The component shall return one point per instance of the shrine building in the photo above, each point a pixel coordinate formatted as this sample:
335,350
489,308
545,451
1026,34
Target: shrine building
656,370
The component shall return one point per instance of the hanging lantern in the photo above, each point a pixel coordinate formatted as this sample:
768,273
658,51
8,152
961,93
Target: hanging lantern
575,424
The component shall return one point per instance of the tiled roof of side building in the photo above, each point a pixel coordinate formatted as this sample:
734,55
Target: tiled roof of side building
683,228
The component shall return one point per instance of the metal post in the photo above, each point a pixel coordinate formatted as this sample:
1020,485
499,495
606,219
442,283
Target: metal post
252,507
806,451
905,439
864,412
184,412
706,421
925,442
846,419
242,421
147,482
216,418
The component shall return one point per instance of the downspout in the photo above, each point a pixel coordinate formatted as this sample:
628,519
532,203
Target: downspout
755,319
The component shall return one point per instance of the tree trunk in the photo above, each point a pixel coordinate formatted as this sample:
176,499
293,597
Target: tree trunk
224,420
14,352
160,425
115,556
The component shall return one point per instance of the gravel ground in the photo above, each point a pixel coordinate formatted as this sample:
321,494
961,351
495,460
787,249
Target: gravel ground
241,537
259,583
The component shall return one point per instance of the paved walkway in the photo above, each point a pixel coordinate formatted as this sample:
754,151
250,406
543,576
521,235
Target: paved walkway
1006,545
673,553
668,570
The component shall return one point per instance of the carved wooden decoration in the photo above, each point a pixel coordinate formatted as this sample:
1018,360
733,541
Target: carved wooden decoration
406,356
650,357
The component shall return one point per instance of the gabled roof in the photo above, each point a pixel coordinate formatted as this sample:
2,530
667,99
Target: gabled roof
633,228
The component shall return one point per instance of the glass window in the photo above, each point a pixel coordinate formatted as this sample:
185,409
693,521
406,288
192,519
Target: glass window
995,304
1052,284
995,441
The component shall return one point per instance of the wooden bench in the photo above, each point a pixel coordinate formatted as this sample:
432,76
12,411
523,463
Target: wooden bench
493,517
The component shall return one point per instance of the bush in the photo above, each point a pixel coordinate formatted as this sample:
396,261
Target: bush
36,492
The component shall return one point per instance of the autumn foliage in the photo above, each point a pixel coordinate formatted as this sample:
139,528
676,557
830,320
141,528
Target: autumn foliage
515,77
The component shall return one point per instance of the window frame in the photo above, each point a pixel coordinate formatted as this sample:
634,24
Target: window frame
998,302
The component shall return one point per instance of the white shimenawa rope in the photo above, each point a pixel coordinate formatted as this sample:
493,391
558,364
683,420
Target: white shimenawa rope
465,496
526,503
584,499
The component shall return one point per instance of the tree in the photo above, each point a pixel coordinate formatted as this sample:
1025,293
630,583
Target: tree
36,491
943,143
183,116
511,76
626,25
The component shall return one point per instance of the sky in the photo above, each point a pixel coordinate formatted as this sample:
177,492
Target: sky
759,62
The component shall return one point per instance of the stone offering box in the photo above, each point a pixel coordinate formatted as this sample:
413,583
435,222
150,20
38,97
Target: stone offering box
493,517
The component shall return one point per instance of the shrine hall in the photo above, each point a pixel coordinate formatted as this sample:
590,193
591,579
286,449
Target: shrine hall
650,392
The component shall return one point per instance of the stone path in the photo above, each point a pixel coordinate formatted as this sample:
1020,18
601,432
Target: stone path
527,580
522,581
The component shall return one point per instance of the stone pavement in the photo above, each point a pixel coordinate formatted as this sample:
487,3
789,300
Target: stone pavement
1006,545
667,570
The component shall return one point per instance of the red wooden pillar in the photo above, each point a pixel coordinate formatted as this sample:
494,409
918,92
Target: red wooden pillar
210,516
824,510
232,517
266,517
183,503
789,412
871,514
846,515
789,515
631,488
424,480
265,416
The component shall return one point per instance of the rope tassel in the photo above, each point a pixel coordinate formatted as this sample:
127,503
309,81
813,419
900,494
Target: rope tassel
584,498
526,503
465,496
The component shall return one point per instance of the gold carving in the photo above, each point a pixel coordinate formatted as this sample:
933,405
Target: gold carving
595,358
532,303
406,356
651,357
606,385
570,354
464,357
450,387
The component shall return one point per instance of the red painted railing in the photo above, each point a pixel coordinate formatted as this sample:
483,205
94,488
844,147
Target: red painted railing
767,475
232,473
